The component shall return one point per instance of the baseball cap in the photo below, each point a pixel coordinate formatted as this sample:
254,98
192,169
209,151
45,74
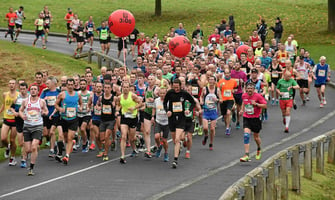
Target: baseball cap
254,71
153,51
213,39
69,9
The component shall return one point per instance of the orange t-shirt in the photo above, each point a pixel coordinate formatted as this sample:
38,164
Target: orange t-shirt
227,87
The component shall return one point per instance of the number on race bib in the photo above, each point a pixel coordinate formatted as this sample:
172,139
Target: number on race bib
322,72
227,93
71,112
249,109
286,95
51,100
275,75
195,90
177,107
106,109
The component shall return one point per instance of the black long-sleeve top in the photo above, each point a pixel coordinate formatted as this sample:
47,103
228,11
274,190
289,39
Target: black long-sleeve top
172,97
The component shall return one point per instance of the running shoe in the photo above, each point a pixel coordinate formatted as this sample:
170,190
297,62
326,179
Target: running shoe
266,116
58,158
154,149
91,49
159,150
127,144
228,131
321,105
307,98
113,146
47,144
44,47
200,131
238,125
258,155
295,106
187,155
74,146
277,102
174,164
118,133
123,161
65,160
85,149
30,172
147,154
233,117
12,162
286,130
303,103
23,164
92,147
7,34
7,151
273,102
105,158
134,153
100,154
324,101
51,154
245,158
204,141
166,157
211,147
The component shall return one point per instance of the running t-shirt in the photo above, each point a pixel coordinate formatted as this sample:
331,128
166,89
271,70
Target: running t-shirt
237,75
11,18
251,111
69,17
50,98
321,73
161,116
227,87
282,85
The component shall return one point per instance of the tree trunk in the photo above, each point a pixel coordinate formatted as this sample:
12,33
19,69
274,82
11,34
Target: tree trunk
331,15
158,8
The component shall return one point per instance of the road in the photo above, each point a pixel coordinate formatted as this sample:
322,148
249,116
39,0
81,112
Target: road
205,176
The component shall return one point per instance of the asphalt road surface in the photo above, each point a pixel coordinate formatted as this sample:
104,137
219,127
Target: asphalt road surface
205,176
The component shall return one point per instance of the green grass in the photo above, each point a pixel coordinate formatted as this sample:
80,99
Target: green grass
307,19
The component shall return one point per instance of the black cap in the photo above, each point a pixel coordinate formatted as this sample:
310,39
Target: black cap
254,71
278,18
21,7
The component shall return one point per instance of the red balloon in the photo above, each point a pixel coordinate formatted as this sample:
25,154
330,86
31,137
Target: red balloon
242,49
121,23
179,46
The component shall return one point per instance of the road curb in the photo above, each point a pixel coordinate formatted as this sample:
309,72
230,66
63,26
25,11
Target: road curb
51,34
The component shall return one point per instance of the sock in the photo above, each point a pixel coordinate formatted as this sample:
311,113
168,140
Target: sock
258,148
247,154
288,118
67,155
176,159
60,145
32,166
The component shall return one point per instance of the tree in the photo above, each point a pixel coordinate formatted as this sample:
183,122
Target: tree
331,15
158,8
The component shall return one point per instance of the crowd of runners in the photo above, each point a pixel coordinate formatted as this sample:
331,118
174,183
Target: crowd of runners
161,94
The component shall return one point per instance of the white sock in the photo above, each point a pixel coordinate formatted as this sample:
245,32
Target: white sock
288,119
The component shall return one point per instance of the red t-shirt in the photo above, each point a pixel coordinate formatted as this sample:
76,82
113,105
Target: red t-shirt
11,18
41,88
139,43
251,111
69,17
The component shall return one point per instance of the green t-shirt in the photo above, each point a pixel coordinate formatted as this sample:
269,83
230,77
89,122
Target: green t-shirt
167,76
282,85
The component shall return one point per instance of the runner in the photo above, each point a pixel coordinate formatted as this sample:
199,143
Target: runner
39,32
160,121
89,29
11,17
227,87
79,32
31,112
174,105
68,18
23,87
84,116
303,69
47,21
51,122
240,77
128,104
103,32
284,89
209,99
151,92
321,75
106,104
74,24
132,39
96,119
39,82
67,104
18,22
252,106
9,122
276,72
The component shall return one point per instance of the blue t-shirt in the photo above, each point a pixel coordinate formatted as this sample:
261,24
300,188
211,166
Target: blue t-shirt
321,74
266,61
50,99
142,68
180,31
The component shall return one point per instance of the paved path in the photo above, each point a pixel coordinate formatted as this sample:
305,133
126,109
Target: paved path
205,176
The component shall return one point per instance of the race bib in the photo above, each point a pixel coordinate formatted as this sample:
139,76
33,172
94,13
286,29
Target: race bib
177,107
9,112
51,100
80,34
106,109
129,115
254,44
90,29
286,95
161,111
210,104
227,93
322,72
275,75
46,21
195,90
302,73
150,104
249,109
132,36
103,35
97,112
32,115
71,112
71,18
11,20
84,107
